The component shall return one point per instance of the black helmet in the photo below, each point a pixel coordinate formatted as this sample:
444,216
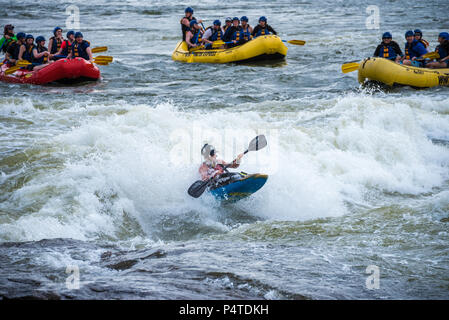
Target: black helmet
8,27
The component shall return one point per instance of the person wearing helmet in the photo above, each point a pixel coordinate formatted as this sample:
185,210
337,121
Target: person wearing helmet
388,48
413,50
66,46
12,53
263,28
41,55
81,48
247,30
194,37
212,166
8,37
228,23
54,43
418,36
26,50
443,51
213,33
185,22
233,32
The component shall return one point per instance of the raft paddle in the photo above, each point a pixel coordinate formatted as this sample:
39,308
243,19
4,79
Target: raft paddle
430,55
99,49
349,67
198,187
19,64
295,42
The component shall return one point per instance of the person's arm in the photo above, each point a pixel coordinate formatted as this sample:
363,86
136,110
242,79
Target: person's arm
377,51
89,53
420,49
21,51
271,30
189,36
256,28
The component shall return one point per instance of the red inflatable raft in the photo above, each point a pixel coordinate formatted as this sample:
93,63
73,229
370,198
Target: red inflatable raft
64,70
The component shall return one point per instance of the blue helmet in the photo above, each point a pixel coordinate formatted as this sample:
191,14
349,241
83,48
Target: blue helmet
417,31
409,34
235,18
386,35
78,34
444,35
192,23
29,36
263,18
228,19
56,29
188,9
20,35
39,39
71,32
244,18
217,23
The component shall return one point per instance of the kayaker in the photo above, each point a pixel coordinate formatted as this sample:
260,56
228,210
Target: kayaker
8,37
66,46
228,23
194,36
55,42
247,30
80,48
41,55
213,33
388,48
418,36
413,50
185,22
263,28
13,50
213,167
26,50
443,51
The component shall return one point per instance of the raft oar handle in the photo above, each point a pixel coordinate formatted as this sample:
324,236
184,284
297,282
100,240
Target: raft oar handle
199,186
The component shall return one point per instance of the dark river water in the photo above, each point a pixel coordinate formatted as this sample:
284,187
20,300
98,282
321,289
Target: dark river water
93,177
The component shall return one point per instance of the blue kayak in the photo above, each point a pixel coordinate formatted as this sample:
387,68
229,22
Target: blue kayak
236,186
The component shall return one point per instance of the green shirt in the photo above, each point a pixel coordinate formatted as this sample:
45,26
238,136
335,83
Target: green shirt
4,41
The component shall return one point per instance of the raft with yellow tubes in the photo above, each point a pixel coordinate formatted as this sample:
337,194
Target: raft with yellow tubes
392,74
269,47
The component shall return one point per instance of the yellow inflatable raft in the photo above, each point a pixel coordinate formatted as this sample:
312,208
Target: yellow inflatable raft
391,73
269,47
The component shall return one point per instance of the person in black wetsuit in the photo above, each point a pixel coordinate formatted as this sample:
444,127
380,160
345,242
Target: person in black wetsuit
263,28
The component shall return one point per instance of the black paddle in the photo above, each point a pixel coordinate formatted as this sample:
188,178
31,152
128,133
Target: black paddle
198,187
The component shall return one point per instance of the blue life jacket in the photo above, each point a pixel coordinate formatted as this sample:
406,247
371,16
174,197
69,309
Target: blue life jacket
216,35
56,45
28,53
441,51
43,59
388,52
415,49
262,32
246,34
237,36
79,49
197,38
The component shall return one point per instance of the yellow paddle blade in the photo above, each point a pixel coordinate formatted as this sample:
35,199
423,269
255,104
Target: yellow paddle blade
99,49
22,63
297,42
102,63
104,58
431,55
12,70
349,67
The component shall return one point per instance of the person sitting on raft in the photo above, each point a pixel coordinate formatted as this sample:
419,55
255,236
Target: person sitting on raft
228,23
194,36
185,22
26,50
413,50
12,52
213,33
234,34
66,46
55,42
247,30
41,56
418,36
443,51
81,48
263,28
388,48
213,167
8,37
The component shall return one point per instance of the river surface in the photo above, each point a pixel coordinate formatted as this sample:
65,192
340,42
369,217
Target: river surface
93,177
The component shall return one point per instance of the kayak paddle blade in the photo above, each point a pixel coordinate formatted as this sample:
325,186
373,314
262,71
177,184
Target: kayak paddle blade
198,188
349,67
257,143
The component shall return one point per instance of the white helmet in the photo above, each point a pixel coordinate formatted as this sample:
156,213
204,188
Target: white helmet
208,150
